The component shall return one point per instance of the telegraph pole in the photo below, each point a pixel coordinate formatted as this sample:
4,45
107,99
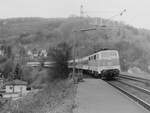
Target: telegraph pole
74,44
74,51
74,65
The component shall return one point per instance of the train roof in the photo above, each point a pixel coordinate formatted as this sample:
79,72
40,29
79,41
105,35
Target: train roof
102,51
86,57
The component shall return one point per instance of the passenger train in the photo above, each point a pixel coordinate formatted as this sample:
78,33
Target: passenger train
103,64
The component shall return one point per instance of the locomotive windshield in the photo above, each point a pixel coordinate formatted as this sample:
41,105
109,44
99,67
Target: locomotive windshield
112,62
109,55
109,58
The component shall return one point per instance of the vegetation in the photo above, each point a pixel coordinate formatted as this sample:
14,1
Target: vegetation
20,34
7,69
60,56
18,72
56,98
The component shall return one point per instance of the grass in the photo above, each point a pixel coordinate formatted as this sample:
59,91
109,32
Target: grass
57,97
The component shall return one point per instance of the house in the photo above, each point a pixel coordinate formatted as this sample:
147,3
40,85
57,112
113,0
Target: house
35,53
16,86
30,54
43,53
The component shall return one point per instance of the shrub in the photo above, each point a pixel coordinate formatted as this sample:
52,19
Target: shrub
60,56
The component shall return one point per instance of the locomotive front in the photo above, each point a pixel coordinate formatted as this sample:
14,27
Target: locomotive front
109,64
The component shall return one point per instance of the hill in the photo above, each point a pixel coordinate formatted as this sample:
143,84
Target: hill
132,43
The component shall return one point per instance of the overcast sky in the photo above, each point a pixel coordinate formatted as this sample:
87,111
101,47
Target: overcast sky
137,14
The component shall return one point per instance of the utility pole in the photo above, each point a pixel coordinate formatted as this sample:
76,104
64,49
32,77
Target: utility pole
73,57
74,50
74,45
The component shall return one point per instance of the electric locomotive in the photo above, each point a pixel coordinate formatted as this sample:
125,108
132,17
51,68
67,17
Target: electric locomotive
103,64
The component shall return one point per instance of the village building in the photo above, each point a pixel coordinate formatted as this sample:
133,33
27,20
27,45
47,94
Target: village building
43,53
30,54
37,53
16,86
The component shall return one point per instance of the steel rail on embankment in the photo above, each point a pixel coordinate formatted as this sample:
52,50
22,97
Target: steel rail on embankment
136,87
139,79
134,97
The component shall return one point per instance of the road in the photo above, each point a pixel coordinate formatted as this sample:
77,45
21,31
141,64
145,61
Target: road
96,96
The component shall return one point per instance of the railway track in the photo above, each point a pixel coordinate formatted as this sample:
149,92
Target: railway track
138,79
143,83
137,93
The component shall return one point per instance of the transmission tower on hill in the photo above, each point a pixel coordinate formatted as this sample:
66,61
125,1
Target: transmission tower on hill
81,10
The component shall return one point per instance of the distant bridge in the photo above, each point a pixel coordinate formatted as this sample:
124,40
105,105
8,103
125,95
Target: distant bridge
38,64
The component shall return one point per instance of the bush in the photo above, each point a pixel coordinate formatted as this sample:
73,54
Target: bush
60,56
7,69
27,74
45,101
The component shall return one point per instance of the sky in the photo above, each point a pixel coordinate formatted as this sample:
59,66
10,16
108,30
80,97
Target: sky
137,11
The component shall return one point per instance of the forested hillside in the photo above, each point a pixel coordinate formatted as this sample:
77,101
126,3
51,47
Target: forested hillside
133,44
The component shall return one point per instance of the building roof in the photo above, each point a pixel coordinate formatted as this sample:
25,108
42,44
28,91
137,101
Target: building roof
16,82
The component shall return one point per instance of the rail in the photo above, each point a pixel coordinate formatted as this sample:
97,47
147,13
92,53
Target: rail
134,97
136,87
139,79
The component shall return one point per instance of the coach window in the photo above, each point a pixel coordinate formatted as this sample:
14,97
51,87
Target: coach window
94,57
